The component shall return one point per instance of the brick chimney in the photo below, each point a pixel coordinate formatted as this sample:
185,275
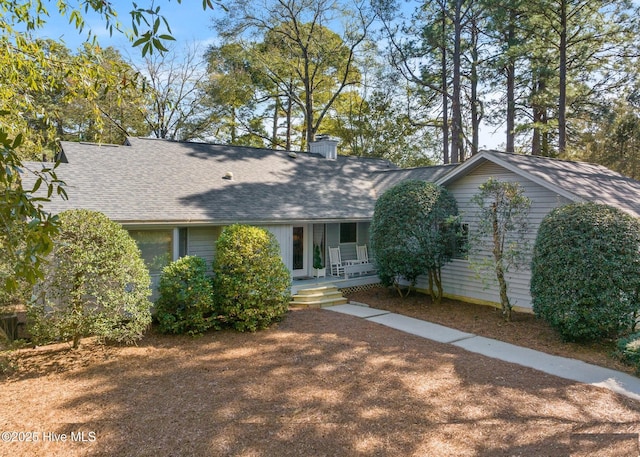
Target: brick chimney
326,146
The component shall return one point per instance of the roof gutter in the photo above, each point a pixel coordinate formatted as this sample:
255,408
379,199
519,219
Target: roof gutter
209,223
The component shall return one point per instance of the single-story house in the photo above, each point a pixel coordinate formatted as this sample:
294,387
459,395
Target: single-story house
175,197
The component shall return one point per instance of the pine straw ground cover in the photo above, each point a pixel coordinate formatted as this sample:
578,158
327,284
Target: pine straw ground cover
524,329
316,384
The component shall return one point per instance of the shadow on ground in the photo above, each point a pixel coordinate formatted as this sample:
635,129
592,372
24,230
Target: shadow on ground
317,384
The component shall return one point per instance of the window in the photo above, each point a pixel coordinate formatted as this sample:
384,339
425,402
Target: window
298,248
348,232
182,242
460,243
156,247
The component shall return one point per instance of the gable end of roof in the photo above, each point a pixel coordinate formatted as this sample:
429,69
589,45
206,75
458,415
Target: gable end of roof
496,158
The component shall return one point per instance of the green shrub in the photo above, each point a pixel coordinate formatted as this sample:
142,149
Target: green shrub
185,304
629,350
411,233
317,257
252,285
16,290
95,283
10,299
585,278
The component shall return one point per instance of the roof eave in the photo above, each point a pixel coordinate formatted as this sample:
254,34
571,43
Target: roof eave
202,223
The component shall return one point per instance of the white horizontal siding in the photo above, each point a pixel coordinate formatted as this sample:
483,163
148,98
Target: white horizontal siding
348,251
458,277
363,233
155,283
333,235
284,235
201,242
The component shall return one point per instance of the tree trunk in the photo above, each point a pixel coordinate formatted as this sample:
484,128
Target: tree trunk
511,87
504,298
499,268
233,133
539,138
396,286
475,102
431,292
457,154
536,114
445,90
511,107
274,128
536,138
545,135
310,134
289,124
562,97
435,285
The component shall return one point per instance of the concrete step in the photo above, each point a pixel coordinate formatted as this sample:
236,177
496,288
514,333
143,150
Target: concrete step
319,303
318,290
309,297
318,297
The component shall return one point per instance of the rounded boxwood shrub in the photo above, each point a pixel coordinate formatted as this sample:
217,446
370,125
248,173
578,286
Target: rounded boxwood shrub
629,350
185,304
252,284
585,278
95,283
411,233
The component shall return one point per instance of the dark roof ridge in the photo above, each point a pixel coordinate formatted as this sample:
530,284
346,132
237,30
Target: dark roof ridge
595,166
263,149
424,167
206,143
536,157
380,159
93,143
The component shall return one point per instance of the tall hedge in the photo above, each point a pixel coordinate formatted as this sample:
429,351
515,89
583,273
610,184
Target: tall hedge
95,283
586,271
412,233
252,286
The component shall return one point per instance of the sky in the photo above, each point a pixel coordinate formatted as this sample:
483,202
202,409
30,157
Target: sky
190,26
188,21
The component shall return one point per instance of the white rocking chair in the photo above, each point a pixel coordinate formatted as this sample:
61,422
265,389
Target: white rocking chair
362,253
335,260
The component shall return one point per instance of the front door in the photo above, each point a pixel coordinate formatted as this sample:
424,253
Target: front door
299,252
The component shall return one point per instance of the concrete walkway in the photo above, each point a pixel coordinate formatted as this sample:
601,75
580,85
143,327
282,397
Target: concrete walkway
575,370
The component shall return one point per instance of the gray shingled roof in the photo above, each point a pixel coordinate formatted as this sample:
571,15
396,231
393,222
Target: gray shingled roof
578,181
160,181
164,181
383,180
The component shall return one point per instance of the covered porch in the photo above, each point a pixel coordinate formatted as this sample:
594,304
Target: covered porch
306,245
340,282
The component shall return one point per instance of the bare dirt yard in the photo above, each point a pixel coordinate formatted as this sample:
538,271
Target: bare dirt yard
316,384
